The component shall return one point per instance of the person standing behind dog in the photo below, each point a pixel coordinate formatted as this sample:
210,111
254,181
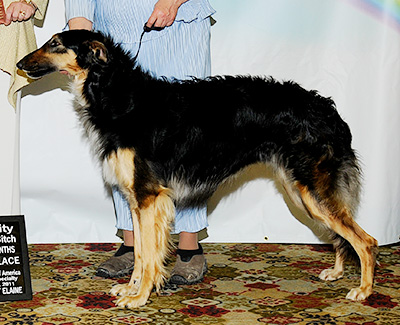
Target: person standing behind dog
17,39
179,48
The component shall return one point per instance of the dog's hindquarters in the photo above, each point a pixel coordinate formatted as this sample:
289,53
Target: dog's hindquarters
332,198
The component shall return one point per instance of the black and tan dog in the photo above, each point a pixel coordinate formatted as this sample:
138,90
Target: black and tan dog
169,144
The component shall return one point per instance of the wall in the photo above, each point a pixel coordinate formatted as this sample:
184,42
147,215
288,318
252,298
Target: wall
348,50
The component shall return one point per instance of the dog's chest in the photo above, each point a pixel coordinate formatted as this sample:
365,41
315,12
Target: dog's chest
81,108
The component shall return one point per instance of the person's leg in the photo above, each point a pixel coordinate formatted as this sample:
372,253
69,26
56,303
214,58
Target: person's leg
191,57
123,261
129,237
190,264
188,240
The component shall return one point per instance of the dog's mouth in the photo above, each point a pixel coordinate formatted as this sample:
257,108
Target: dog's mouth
35,69
38,73
65,72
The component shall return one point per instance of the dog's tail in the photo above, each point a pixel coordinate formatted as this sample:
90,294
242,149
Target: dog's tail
347,192
336,188
348,183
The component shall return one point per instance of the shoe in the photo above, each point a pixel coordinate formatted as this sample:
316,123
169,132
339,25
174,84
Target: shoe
117,266
190,272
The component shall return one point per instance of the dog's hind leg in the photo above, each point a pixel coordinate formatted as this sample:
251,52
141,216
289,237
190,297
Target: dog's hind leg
336,272
156,215
338,217
328,274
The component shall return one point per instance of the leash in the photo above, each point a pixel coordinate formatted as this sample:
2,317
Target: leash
146,29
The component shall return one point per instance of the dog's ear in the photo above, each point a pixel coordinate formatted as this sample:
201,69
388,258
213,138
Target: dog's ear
99,50
92,52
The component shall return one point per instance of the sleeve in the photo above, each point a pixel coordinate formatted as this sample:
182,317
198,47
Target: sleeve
79,8
194,9
41,8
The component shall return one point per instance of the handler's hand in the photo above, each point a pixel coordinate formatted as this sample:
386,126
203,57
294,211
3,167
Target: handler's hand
164,13
19,11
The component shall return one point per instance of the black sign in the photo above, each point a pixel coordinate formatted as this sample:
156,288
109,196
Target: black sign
15,277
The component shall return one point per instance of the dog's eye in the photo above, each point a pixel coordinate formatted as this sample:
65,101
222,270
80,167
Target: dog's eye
54,43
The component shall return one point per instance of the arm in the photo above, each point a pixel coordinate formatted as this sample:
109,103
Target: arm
80,23
19,11
80,13
164,13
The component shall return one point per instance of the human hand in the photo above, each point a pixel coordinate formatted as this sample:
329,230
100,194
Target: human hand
19,11
164,13
80,23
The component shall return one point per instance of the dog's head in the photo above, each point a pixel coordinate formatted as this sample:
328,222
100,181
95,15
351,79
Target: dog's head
71,52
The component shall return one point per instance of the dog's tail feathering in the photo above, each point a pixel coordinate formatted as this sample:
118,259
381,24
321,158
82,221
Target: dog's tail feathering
330,197
349,183
347,194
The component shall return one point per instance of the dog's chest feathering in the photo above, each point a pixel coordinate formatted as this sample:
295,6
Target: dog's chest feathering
92,133
81,108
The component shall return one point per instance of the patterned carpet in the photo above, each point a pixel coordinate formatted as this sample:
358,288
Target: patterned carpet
245,284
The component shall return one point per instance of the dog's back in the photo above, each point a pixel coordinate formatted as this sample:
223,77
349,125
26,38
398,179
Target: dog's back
200,132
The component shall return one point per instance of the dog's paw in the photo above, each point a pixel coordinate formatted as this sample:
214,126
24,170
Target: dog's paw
123,290
131,301
330,275
359,294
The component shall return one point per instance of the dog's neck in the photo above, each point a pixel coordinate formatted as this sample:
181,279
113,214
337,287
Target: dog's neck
76,86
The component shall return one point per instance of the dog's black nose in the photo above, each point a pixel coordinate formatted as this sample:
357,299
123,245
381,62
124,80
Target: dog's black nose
20,64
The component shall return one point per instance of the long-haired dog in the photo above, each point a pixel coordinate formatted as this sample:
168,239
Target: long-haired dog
169,144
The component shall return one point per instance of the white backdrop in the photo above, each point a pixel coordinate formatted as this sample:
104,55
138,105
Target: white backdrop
349,50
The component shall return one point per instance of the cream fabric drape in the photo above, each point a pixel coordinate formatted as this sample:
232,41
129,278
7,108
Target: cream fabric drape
16,40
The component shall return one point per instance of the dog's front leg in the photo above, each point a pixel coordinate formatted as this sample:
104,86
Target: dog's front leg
119,168
155,217
132,287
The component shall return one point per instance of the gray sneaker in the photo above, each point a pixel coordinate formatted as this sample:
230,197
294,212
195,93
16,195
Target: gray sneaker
190,272
117,266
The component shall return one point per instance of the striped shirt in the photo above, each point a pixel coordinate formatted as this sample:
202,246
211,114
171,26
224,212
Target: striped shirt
181,50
